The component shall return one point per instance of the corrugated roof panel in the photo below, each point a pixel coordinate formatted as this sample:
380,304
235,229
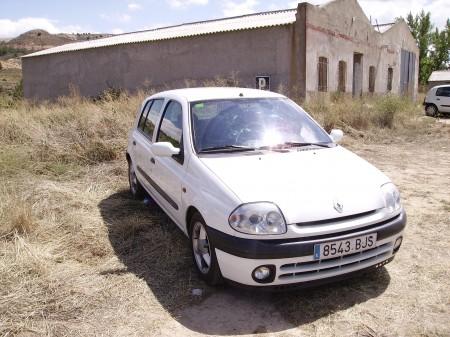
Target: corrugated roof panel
437,76
252,21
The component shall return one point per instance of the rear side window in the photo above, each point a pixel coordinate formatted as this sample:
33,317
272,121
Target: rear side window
443,92
144,114
150,117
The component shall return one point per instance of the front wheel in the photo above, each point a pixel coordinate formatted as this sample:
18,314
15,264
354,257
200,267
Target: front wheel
203,252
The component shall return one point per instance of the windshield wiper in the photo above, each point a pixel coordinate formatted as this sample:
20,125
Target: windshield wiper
227,148
293,144
296,144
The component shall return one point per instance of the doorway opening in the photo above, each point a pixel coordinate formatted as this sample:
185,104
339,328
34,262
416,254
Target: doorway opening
357,74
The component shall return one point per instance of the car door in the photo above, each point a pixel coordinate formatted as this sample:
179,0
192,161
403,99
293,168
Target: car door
168,172
443,99
142,140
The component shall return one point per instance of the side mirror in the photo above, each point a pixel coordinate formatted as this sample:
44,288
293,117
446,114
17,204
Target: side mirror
164,149
336,135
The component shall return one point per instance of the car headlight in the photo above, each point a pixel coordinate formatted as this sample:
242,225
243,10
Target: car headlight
391,197
258,218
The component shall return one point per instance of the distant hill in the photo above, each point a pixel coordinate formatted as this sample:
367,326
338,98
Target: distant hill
39,39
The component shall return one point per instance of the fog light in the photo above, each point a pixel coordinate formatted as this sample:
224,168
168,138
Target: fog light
397,244
264,274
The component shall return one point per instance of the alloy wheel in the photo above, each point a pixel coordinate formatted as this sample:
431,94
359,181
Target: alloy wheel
201,248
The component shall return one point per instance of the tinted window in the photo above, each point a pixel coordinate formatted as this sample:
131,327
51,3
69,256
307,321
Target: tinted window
445,92
152,117
171,125
144,114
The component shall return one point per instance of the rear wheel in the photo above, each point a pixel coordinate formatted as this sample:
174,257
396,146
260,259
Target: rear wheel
136,189
203,252
431,110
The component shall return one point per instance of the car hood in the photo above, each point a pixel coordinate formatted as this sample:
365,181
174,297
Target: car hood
305,183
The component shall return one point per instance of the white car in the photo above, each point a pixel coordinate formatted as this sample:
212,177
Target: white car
437,101
265,195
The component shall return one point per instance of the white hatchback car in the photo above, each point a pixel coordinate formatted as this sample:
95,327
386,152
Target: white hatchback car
265,195
437,101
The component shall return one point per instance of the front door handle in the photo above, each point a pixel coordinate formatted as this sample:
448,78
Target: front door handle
134,142
152,160
438,99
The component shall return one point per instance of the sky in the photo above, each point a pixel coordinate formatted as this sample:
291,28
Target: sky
120,16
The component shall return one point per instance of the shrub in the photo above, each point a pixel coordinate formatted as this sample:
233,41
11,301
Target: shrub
386,107
15,216
98,151
370,112
18,91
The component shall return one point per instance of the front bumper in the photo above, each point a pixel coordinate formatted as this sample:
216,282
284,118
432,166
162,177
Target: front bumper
294,258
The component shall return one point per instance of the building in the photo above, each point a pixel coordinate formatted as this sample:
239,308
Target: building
305,50
438,77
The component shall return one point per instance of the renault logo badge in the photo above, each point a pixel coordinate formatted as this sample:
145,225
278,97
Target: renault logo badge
338,206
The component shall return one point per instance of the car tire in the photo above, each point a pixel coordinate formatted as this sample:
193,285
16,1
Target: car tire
431,110
136,189
203,252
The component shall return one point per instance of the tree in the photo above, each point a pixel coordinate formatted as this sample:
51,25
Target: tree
421,28
434,45
439,54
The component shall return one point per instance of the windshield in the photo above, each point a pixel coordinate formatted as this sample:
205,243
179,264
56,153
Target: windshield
252,123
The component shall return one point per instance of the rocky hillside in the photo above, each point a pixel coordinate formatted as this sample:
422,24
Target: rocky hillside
39,39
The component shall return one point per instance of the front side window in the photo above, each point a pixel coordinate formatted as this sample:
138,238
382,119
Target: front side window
171,124
253,122
443,92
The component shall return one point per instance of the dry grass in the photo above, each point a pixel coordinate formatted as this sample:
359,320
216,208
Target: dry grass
369,115
78,257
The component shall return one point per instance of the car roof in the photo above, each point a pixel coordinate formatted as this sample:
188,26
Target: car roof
211,93
441,86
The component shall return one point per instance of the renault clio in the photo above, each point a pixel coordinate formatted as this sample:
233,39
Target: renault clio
265,195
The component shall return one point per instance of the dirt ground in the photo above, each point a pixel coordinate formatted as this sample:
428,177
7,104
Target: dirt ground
101,264
409,297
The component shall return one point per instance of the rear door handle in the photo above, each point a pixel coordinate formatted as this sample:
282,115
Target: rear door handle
152,160
134,142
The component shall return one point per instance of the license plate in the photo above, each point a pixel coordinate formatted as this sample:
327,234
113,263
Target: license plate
329,250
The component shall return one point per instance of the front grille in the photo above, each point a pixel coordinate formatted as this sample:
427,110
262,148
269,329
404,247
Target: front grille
336,220
331,236
305,271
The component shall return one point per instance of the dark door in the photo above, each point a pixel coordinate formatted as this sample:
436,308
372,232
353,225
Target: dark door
357,74
407,72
